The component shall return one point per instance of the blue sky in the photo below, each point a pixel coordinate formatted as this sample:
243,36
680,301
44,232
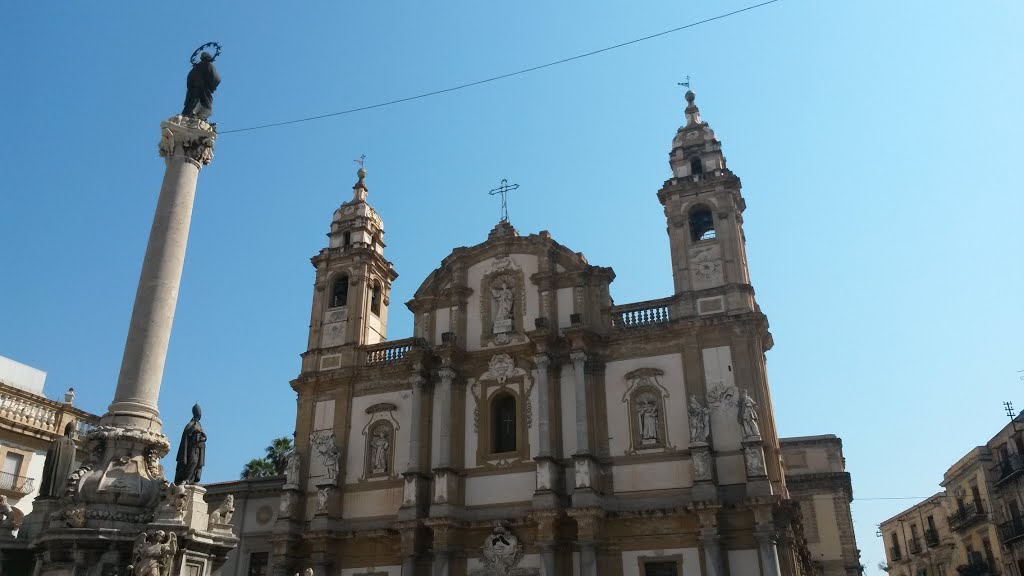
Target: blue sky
878,143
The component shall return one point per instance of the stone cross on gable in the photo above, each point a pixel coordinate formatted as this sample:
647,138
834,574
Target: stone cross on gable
504,189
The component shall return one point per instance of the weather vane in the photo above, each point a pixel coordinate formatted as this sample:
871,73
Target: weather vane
504,189
361,161
686,84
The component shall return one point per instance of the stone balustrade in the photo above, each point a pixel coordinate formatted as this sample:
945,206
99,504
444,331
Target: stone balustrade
640,314
391,352
40,414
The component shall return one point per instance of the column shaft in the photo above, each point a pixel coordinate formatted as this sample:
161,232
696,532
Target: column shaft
579,360
588,559
145,350
543,412
415,426
769,555
444,418
409,566
441,567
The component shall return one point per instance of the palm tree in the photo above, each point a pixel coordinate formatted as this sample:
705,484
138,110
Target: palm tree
258,468
273,463
277,452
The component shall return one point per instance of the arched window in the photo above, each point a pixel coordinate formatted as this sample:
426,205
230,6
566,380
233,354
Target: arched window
346,238
339,294
503,423
375,298
696,166
702,224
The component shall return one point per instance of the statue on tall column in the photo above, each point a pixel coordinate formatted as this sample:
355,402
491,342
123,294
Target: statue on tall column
201,83
60,458
191,451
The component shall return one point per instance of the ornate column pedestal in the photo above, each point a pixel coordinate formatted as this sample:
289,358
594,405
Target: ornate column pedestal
757,473
704,488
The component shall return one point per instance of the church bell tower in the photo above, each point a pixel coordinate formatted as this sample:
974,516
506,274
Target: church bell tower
353,280
704,210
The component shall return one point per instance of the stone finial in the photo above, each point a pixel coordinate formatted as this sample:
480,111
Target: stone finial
359,190
690,97
692,112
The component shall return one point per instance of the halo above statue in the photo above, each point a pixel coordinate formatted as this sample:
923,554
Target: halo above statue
195,55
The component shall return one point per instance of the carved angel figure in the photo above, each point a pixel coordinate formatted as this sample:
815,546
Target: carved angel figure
154,554
700,417
748,416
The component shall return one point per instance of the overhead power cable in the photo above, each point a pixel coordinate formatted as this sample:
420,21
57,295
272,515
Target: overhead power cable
502,76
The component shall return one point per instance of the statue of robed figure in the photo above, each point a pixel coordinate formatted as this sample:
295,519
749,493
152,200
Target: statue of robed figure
201,83
60,459
191,451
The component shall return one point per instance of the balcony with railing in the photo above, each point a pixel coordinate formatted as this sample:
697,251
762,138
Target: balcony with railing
11,485
895,554
914,545
967,516
392,352
1011,467
641,314
1011,531
931,537
38,416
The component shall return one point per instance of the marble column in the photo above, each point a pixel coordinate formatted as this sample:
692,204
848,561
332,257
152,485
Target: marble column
588,559
416,422
444,418
186,145
769,555
579,360
547,559
442,561
543,362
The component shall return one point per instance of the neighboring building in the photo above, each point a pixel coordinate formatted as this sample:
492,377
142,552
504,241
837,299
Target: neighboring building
531,426
29,421
816,477
919,540
978,516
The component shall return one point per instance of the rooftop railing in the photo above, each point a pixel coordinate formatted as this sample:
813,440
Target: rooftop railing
640,314
392,352
39,414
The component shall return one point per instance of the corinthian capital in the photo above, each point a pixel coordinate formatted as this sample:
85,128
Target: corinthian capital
190,137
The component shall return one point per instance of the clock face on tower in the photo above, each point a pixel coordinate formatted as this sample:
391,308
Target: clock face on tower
707,266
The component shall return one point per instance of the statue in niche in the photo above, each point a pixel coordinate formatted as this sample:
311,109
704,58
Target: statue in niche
192,450
504,300
154,554
647,417
748,416
380,444
700,425
60,457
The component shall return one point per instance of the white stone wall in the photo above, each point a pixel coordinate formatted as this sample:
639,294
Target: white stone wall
568,393
617,401
485,490
21,376
652,476
355,453
372,503
744,562
564,307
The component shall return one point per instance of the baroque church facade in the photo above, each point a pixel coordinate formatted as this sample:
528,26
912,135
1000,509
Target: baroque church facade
531,425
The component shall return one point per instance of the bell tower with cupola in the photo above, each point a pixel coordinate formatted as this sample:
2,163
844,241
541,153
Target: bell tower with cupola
704,209
353,279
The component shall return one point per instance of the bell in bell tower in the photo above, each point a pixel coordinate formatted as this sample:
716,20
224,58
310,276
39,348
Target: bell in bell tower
353,279
704,209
